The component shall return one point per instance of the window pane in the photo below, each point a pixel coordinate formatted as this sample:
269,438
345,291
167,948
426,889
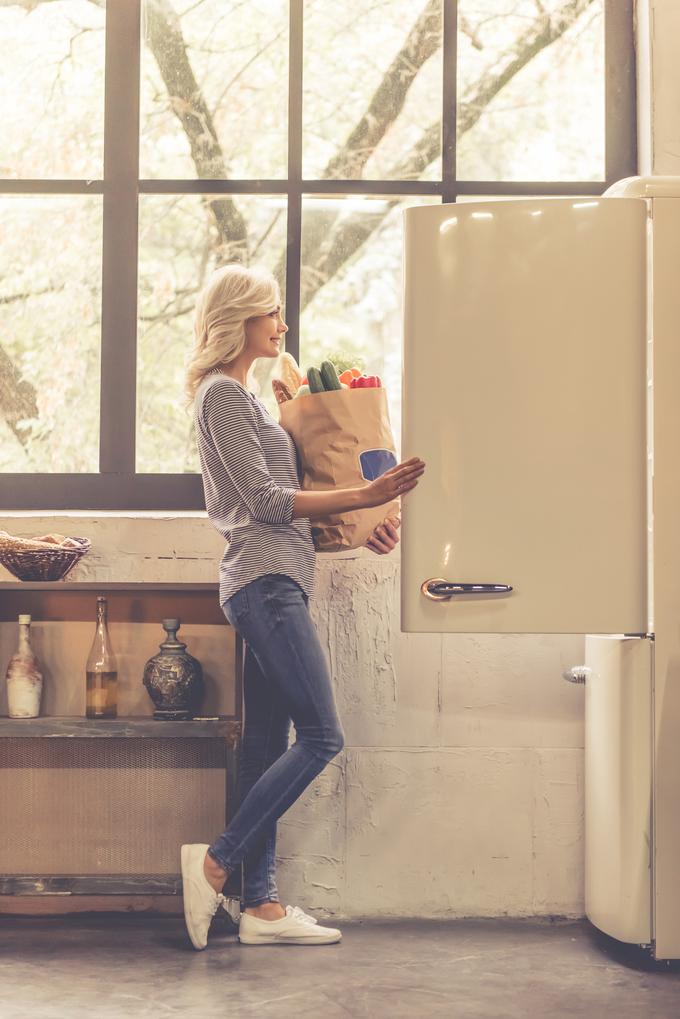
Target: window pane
179,245
50,313
351,288
52,90
372,90
214,100
547,122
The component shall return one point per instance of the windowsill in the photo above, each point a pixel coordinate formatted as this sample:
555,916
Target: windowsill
95,514
111,516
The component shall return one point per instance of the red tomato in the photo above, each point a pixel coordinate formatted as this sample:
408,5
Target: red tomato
366,382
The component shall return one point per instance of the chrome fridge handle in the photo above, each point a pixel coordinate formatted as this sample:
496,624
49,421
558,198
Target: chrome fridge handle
439,589
577,674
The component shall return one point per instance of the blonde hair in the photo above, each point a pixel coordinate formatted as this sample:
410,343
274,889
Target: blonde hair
232,295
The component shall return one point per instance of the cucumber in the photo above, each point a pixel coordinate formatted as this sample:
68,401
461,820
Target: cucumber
315,381
329,376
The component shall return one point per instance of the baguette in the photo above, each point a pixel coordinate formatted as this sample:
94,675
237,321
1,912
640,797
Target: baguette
290,372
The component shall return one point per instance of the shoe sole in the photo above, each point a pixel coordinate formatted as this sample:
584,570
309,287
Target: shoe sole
185,867
266,940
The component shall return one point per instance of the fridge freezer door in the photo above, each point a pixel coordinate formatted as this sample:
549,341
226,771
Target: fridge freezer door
524,384
618,787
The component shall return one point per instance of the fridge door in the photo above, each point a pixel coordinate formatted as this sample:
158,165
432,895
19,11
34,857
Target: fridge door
524,391
618,786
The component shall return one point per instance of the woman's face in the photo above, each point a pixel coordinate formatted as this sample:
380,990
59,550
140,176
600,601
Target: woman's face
264,332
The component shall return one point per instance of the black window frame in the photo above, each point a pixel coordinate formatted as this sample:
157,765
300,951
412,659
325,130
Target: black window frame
117,486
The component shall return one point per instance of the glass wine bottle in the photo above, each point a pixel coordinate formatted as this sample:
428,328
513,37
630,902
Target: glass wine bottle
102,671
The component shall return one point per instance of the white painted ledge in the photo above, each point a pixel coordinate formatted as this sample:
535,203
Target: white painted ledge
147,545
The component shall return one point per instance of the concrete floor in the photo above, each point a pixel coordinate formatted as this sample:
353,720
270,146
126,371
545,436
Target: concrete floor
128,966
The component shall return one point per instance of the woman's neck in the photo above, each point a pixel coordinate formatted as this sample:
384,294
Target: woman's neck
238,370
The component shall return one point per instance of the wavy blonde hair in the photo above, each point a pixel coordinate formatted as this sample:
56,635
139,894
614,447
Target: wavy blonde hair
232,295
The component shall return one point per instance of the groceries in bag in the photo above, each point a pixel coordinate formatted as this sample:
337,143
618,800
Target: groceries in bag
317,380
344,440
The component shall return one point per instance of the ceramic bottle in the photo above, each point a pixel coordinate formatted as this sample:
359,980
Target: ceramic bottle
24,677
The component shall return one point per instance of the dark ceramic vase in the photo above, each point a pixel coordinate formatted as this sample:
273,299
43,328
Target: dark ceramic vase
174,678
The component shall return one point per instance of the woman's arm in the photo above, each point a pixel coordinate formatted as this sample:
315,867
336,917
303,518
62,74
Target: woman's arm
391,485
337,500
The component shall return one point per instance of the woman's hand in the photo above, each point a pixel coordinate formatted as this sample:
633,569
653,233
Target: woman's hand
384,538
393,483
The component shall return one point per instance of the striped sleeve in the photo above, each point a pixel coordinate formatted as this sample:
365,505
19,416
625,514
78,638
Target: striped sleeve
231,420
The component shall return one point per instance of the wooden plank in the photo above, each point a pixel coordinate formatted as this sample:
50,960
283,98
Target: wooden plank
60,905
115,728
125,604
107,585
91,884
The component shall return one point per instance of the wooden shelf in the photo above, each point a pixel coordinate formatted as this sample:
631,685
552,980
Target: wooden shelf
86,884
128,602
59,600
105,585
106,728
66,885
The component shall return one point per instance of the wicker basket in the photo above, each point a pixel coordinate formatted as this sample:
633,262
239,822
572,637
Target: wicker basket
28,559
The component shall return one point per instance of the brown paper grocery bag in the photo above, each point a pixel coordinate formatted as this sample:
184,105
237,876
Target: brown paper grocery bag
344,439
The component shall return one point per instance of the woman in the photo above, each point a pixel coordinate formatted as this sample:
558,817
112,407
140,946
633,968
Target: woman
251,481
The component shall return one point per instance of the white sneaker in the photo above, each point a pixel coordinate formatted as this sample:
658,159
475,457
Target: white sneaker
201,901
295,928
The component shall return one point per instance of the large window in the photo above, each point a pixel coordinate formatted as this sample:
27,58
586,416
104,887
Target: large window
146,142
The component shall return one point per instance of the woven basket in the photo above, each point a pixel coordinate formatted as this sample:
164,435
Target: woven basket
27,559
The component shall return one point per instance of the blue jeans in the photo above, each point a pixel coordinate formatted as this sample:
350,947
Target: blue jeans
285,677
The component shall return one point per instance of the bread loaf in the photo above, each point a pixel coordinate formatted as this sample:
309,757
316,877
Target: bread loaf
281,391
289,372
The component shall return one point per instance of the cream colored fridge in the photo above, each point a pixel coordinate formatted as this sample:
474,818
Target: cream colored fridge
541,384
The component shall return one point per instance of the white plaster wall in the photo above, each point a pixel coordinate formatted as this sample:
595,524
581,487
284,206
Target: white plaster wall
460,789
658,45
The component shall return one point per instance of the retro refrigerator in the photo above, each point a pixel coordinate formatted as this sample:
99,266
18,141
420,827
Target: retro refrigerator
541,385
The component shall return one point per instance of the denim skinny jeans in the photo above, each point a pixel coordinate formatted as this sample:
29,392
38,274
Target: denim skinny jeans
285,677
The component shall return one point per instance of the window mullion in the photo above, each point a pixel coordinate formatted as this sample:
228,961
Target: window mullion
294,217
620,115
119,255
449,98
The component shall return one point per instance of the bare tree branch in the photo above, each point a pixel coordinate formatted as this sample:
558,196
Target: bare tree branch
388,99
17,398
167,316
11,298
236,77
166,42
471,31
30,5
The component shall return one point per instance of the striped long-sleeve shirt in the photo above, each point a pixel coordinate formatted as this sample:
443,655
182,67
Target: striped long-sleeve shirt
251,473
